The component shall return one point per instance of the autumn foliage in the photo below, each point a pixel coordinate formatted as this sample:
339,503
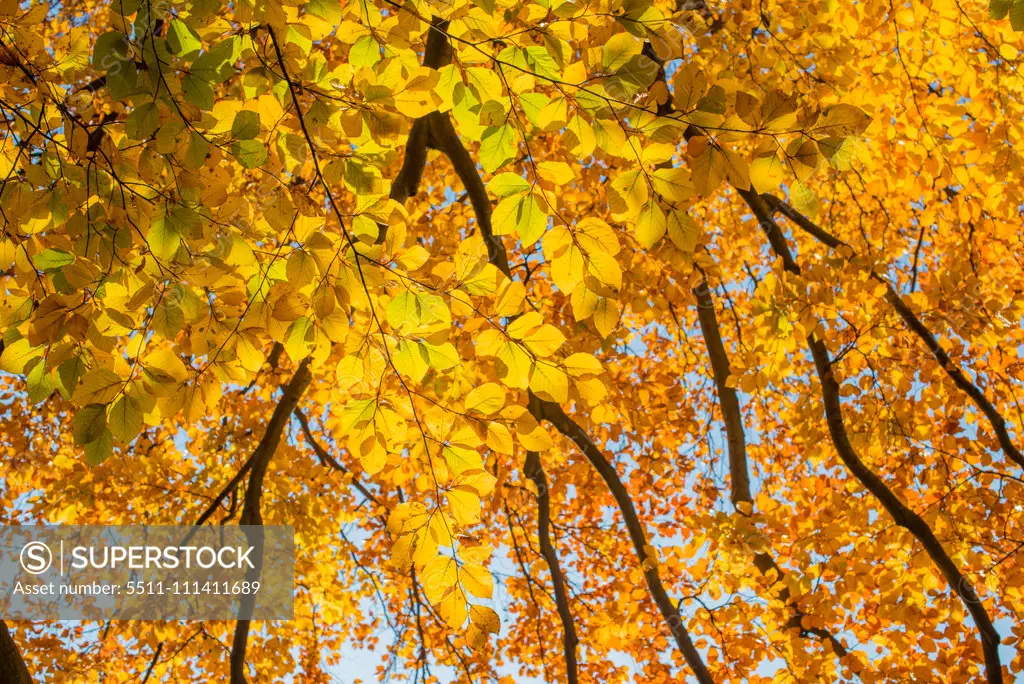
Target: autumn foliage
596,341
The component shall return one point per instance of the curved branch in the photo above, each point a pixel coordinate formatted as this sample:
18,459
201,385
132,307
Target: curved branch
901,514
436,54
914,322
568,427
251,515
739,473
443,136
446,139
535,471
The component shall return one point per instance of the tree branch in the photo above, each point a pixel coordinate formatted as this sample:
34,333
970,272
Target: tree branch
903,515
12,665
739,473
436,54
535,471
446,139
913,322
251,514
568,427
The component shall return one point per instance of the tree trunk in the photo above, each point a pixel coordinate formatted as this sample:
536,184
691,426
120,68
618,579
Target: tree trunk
12,667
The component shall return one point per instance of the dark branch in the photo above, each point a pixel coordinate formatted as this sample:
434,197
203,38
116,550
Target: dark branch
535,471
918,327
251,514
904,516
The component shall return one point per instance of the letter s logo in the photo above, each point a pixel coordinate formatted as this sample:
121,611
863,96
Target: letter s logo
36,557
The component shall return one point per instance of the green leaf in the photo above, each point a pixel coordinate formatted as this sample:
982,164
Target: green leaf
89,423
163,239
541,62
125,418
298,341
409,310
109,50
218,63
98,451
50,259
245,126
16,356
143,121
40,383
1017,16
619,49
250,153
998,9
522,216
364,53
508,184
497,147
198,149
123,79
181,40
68,374
98,387
328,10
197,91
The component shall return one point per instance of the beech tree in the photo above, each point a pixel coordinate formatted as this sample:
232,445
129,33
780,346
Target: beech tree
604,341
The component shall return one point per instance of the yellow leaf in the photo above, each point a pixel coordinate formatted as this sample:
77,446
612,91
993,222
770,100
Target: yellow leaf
464,505
499,438
299,340
356,414
594,235
524,324
476,580
125,418
567,269
486,399
581,364
485,618
510,297
99,386
650,225
605,268
301,269
438,577
248,352
606,316
407,517
453,609
549,382
688,87
17,355
545,340
558,173
480,481
673,184
683,231
766,173
514,369
164,366
461,459
483,622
